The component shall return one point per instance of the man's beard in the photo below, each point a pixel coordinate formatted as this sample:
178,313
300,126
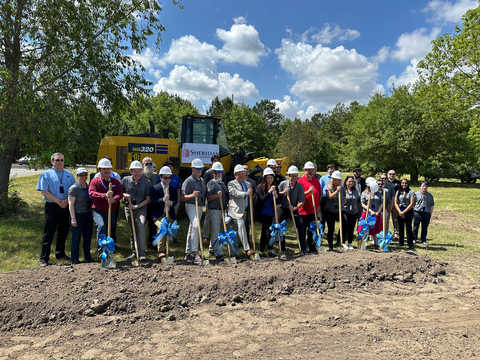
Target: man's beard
148,171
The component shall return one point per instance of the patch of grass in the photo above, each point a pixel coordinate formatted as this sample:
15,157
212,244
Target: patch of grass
454,231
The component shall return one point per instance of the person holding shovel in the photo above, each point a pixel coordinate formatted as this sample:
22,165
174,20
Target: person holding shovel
102,197
375,209
333,191
194,187
216,192
351,209
404,203
311,188
136,191
292,199
266,190
239,191
163,195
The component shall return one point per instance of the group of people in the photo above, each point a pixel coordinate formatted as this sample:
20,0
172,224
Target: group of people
149,197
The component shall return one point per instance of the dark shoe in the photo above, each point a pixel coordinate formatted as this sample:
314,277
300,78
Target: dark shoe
89,260
75,262
411,247
63,257
272,253
219,258
43,263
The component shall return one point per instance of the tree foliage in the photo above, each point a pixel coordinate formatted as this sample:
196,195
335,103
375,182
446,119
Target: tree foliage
55,52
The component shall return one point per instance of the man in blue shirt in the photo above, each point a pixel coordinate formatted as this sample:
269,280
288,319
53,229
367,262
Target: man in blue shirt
54,185
324,181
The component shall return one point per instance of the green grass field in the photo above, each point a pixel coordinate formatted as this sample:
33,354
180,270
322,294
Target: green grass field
453,232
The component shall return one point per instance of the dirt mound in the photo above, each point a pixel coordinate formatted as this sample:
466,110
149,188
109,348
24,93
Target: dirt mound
56,295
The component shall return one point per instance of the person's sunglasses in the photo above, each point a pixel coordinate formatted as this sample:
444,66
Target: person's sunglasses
167,177
83,175
148,164
58,160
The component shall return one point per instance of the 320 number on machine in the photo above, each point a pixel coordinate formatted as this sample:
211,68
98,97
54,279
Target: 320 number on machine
141,148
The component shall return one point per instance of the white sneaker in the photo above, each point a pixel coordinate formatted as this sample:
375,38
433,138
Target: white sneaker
350,247
197,260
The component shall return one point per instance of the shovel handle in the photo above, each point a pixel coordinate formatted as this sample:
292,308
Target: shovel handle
225,227
315,212
340,216
276,220
383,212
252,223
293,219
109,221
199,229
132,219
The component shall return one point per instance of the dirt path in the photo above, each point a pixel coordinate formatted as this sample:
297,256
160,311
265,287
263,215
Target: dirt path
361,305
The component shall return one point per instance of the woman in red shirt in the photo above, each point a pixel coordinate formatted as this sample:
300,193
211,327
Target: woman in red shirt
311,186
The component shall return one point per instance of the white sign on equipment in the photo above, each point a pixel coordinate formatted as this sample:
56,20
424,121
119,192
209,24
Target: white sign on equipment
201,151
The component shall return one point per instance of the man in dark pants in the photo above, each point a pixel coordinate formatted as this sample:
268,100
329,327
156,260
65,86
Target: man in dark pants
54,185
149,173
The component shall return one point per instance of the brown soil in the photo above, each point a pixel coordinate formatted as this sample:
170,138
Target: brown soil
358,304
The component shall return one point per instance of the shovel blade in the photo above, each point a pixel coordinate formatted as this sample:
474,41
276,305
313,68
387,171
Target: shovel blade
168,261
256,257
230,261
321,249
109,264
205,262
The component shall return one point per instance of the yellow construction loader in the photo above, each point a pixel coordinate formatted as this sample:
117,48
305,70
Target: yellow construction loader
201,137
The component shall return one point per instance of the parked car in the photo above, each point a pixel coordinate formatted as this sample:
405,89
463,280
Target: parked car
470,177
24,160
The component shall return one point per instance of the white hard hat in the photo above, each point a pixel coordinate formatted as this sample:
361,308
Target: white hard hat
81,171
217,166
104,164
308,165
272,162
268,171
165,170
292,170
135,164
238,168
373,186
197,164
369,180
337,175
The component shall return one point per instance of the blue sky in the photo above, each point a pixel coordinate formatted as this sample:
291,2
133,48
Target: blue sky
305,55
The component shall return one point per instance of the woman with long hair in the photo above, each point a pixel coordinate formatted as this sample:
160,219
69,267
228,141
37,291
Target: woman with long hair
350,210
266,190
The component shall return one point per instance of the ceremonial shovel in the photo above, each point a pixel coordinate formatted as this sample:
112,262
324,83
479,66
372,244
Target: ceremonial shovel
293,220
132,219
255,256
204,262
167,260
320,248
231,259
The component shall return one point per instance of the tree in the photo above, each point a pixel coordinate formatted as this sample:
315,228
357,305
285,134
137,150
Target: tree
220,108
450,90
55,52
246,130
273,118
303,141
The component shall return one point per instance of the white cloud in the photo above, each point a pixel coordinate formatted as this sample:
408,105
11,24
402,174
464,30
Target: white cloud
188,50
329,33
196,85
415,44
448,11
308,113
287,106
241,44
382,55
408,76
149,60
326,76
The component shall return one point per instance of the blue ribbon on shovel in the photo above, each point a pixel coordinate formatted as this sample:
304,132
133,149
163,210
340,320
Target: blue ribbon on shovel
228,237
365,226
166,228
107,245
383,243
277,230
317,238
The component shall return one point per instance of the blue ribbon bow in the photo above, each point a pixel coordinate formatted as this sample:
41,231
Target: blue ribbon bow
316,238
228,237
383,243
277,230
365,226
107,245
166,228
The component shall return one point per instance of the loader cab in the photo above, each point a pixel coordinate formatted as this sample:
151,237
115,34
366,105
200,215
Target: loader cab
202,136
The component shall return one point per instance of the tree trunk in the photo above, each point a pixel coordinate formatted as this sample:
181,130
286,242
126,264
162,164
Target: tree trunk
6,161
414,177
